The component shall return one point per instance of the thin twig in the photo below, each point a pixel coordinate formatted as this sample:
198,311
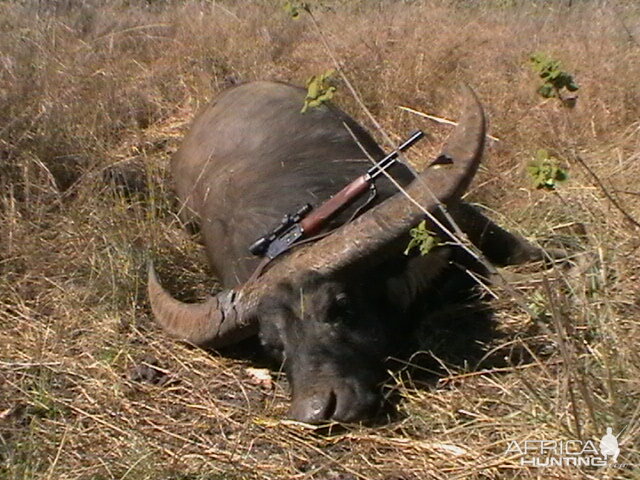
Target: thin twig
444,121
567,355
57,457
355,93
458,237
606,193
28,364
629,33
491,371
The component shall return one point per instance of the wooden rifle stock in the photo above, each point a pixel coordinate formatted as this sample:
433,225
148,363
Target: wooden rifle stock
303,224
313,222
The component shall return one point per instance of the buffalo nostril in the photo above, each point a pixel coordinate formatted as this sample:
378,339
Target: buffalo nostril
332,403
355,404
314,409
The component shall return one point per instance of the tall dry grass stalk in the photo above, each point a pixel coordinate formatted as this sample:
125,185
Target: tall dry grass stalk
94,97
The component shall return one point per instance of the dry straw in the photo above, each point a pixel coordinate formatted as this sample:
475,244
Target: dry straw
88,88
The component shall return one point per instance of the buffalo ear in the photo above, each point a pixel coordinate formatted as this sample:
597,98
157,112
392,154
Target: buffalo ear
417,277
498,245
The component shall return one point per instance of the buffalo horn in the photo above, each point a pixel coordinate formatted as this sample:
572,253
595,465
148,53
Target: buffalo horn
217,322
231,315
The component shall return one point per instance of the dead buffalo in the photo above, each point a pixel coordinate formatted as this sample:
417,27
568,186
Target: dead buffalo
329,309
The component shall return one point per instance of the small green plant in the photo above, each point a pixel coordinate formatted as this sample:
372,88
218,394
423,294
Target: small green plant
42,397
555,80
319,90
538,305
545,171
293,8
422,238
506,4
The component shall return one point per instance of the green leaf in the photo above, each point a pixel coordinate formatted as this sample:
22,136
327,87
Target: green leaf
545,171
319,90
553,77
547,91
572,86
293,8
422,238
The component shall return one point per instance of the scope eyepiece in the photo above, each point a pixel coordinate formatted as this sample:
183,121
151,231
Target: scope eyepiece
259,247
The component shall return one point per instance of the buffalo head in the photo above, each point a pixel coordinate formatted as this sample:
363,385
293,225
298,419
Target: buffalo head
327,309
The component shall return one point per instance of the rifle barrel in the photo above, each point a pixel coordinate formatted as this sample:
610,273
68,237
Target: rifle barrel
390,159
306,222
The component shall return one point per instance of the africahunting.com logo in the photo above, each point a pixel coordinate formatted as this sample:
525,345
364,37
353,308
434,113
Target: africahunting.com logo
580,453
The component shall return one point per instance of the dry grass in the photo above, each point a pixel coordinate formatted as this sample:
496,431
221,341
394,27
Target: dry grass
85,85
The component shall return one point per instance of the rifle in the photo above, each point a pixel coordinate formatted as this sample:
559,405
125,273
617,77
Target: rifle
307,221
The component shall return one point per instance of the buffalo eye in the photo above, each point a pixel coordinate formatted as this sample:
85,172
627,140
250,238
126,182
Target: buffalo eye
342,300
340,308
